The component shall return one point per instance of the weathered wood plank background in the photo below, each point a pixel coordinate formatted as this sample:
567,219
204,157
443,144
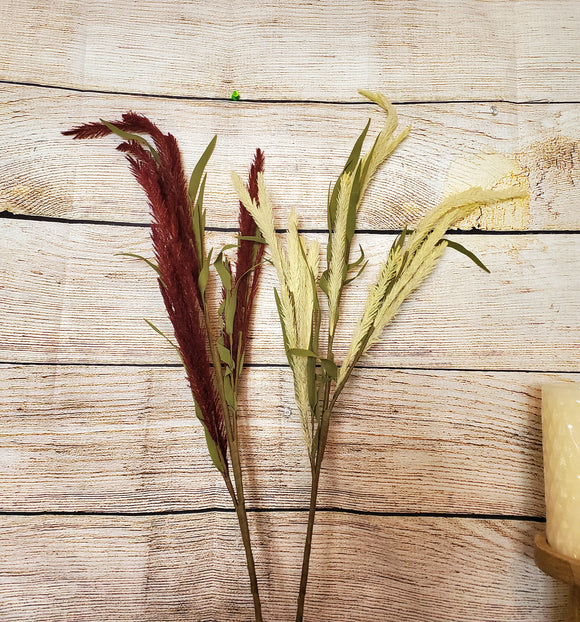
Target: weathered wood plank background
432,491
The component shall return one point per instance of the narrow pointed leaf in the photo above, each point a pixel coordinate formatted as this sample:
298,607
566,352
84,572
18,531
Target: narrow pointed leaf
356,263
258,239
197,173
352,206
330,214
302,352
213,451
281,316
147,261
229,393
330,368
204,273
311,383
198,221
230,310
352,278
323,282
355,153
225,355
160,332
464,251
223,271
134,137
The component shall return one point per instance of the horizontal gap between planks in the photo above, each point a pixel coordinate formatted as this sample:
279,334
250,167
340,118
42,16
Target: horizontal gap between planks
73,221
74,89
304,510
286,366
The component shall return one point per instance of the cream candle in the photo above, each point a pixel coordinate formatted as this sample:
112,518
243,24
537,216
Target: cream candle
561,441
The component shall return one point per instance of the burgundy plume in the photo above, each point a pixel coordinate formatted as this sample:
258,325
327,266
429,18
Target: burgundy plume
174,244
248,262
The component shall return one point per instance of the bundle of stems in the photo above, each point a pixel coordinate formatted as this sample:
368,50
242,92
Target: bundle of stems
318,380
213,362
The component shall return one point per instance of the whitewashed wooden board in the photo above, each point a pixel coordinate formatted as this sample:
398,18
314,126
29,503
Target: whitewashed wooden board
137,569
432,491
84,438
434,51
43,173
89,303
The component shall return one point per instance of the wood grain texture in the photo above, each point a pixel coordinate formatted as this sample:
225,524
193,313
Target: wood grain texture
146,569
45,174
66,297
113,439
463,50
109,508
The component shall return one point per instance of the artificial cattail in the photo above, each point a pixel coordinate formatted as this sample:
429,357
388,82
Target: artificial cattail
248,262
159,171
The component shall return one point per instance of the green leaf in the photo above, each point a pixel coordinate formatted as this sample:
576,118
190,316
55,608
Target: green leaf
311,383
197,173
229,393
352,278
352,207
223,271
204,273
330,368
281,316
197,215
241,357
355,153
460,248
323,282
356,263
135,137
332,206
214,454
330,210
258,239
225,355
302,352
368,158
147,261
157,330
230,310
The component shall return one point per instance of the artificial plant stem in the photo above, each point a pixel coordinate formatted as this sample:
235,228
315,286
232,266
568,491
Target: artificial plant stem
238,495
307,545
324,425
316,466
245,530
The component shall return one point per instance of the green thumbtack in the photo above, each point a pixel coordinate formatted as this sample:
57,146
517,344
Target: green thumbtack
235,96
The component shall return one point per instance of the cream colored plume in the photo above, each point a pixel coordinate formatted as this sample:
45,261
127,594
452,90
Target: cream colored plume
297,269
385,143
407,267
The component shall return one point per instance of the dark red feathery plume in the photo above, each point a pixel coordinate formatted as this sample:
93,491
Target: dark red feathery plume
248,262
159,170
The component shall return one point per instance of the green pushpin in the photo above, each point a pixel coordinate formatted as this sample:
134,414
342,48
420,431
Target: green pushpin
235,96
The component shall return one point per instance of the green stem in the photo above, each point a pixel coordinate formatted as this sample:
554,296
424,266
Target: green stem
316,469
242,515
230,421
